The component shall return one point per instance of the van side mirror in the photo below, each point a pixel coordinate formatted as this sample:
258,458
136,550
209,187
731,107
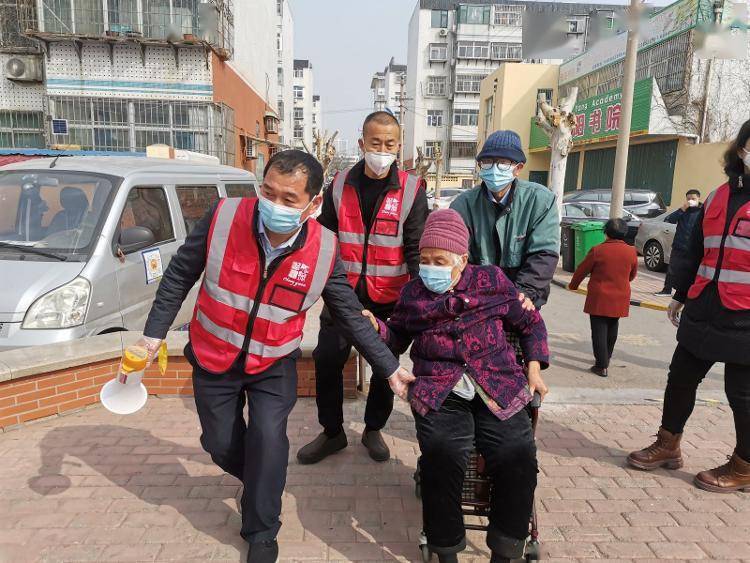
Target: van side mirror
135,238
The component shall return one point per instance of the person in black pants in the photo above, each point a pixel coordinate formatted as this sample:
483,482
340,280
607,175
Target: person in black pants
612,265
712,282
380,256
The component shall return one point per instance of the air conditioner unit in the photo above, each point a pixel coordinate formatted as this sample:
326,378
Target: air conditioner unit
24,68
250,150
443,33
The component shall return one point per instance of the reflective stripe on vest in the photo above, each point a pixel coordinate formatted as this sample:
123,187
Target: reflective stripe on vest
377,270
738,243
728,276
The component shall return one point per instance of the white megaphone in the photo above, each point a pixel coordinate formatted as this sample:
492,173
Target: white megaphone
126,394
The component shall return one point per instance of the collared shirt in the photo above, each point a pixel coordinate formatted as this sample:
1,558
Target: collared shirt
503,200
268,249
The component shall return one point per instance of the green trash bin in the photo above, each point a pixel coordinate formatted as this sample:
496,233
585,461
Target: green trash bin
588,235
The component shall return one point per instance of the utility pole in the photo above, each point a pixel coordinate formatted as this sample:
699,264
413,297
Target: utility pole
438,159
401,113
626,112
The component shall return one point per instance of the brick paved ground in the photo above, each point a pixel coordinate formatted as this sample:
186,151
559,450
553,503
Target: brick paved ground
91,486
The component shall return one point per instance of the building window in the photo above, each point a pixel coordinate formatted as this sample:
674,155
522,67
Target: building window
463,149
439,18
430,146
280,7
575,26
474,14
504,51
299,92
299,73
299,131
21,129
434,118
489,108
437,86
547,94
466,117
315,119
473,50
299,114
468,83
438,52
508,15
281,108
280,76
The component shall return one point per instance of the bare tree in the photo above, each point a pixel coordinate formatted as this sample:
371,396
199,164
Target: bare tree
557,123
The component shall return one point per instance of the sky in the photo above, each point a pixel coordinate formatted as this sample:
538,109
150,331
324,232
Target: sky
347,41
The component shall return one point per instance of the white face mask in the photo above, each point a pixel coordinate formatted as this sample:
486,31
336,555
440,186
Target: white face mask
692,203
379,162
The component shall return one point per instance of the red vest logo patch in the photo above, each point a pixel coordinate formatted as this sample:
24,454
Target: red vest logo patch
390,206
297,275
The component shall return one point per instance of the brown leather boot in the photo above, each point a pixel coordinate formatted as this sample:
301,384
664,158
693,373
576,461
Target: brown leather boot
727,478
665,452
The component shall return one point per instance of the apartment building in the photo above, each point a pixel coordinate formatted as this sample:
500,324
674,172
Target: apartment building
84,75
285,71
303,104
453,46
388,87
317,115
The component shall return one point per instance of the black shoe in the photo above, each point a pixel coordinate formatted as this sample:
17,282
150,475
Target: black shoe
263,552
601,372
498,559
449,558
663,293
376,446
321,447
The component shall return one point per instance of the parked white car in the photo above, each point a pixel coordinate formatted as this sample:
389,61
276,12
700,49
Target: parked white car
447,195
654,241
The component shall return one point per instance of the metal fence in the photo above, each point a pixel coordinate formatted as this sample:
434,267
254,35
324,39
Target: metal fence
211,21
117,124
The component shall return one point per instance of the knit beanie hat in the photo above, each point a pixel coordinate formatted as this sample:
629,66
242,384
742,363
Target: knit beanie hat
503,144
445,229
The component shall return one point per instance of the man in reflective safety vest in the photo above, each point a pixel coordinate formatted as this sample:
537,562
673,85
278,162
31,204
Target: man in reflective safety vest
378,213
265,263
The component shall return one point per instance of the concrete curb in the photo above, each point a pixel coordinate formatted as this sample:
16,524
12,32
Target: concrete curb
633,302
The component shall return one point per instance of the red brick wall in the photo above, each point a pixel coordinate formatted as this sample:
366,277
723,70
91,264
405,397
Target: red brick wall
48,394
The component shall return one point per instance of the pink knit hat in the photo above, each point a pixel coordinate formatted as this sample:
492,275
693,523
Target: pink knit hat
445,229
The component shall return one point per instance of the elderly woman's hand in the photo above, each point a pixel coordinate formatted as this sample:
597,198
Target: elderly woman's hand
526,303
372,319
536,383
399,382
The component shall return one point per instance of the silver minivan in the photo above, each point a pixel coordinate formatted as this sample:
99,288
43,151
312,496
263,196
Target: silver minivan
84,241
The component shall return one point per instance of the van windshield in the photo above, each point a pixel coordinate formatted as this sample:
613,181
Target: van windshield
51,214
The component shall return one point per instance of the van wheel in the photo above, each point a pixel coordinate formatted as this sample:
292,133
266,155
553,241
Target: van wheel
653,257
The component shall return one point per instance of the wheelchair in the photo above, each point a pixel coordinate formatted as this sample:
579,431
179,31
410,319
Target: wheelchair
477,489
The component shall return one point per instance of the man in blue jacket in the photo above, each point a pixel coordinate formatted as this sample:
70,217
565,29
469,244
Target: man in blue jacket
512,223
685,218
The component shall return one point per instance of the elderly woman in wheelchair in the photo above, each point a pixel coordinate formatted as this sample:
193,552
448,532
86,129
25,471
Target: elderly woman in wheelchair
470,390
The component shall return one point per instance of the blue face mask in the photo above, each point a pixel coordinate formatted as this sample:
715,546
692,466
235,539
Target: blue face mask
496,178
437,279
280,219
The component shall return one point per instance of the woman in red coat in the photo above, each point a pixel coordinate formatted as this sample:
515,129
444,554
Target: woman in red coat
612,266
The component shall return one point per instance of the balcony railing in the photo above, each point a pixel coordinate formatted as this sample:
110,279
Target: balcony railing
209,22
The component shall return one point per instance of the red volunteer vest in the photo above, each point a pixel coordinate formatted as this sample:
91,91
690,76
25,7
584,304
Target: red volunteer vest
236,290
379,253
733,276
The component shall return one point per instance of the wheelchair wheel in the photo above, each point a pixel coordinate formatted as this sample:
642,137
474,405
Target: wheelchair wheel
532,551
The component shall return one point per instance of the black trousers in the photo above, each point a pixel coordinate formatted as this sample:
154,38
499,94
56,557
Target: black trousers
603,338
446,438
256,451
685,374
330,356
667,283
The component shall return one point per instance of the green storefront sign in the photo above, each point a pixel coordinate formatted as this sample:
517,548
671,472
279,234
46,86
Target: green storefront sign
598,117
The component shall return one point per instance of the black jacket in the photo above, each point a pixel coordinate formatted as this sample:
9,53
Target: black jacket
707,328
685,221
187,265
413,226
